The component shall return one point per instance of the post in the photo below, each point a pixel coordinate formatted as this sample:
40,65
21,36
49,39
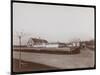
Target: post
20,52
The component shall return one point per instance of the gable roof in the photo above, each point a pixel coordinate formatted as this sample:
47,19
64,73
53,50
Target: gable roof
39,40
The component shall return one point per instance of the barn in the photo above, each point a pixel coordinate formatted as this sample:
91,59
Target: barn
35,42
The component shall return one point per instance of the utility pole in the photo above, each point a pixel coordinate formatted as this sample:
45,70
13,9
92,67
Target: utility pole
20,35
20,52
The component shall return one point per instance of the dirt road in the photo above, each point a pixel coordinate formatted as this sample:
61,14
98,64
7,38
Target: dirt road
83,60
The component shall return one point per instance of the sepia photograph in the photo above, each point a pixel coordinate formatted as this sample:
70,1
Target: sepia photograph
52,37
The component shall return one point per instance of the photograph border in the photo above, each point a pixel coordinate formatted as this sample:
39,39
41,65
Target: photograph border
56,4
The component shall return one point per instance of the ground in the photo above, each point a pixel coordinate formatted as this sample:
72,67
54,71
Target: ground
46,61
30,66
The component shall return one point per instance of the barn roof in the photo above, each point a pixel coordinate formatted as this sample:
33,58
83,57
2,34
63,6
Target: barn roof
39,40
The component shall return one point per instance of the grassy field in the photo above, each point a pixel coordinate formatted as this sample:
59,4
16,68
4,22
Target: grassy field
49,50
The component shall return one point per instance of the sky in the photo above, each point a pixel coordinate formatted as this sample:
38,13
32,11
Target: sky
53,23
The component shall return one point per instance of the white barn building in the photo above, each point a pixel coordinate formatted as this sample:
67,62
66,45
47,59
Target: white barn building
34,42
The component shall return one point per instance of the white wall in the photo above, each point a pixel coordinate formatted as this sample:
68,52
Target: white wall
5,38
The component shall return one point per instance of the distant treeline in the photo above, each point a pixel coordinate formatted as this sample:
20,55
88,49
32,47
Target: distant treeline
91,42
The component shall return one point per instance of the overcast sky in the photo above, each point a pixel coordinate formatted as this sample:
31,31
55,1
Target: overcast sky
53,23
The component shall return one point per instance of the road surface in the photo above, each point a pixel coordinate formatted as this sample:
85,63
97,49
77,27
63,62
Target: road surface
83,60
